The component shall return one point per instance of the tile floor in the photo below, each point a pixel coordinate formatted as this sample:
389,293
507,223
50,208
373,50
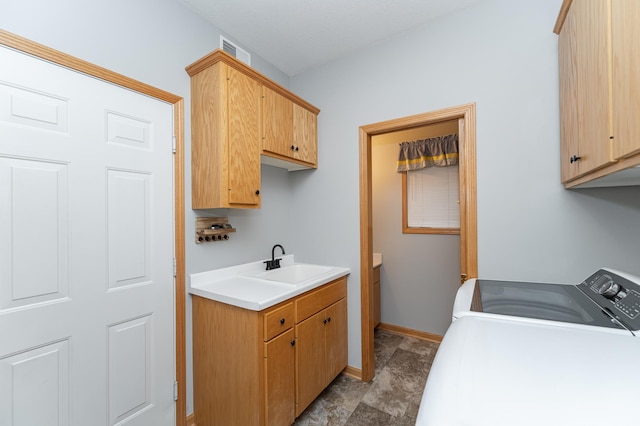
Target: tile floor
393,396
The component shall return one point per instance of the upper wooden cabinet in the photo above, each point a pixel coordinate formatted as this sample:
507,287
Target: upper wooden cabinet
277,116
237,115
599,91
305,135
225,139
625,37
289,131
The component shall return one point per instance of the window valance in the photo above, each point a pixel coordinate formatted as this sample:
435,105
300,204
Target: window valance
439,151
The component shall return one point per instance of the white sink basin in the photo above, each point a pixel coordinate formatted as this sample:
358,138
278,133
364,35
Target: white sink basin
294,274
249,286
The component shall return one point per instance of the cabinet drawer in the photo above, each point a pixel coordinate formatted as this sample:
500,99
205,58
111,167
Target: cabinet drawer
317,300
277,321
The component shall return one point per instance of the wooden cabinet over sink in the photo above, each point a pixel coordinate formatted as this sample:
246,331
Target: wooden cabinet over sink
240,118
599,92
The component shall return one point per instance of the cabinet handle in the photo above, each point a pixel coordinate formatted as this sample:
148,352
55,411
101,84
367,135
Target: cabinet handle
293,343
329,319
257,192
281,321
574,159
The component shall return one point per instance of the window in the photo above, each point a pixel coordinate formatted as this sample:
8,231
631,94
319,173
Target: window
430,201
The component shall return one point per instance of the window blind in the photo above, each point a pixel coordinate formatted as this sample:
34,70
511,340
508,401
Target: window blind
432,198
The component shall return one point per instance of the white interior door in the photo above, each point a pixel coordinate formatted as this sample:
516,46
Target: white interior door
86,250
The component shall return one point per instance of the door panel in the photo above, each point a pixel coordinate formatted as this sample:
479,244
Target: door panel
39,378
33,186
129,368
86,250
128,222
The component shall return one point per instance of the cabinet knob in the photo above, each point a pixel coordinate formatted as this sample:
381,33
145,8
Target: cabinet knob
293,343
257,192
574,159
281,321
329,319
324,321
293,148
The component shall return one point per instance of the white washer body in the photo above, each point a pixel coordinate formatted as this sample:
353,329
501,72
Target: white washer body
500,370
495,372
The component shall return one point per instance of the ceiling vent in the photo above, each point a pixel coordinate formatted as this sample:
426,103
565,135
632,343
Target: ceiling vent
235,51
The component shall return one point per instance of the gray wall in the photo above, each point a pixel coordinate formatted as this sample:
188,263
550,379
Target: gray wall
502,55
529,227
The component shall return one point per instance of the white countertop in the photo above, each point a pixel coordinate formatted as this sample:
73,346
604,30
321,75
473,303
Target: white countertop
242,286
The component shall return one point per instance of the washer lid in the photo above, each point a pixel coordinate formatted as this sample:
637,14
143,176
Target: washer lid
554,302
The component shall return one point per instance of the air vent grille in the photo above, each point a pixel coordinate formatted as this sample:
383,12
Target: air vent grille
235,51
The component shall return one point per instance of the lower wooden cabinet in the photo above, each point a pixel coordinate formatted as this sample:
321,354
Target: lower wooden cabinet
321,353
376,296
265,368
279,357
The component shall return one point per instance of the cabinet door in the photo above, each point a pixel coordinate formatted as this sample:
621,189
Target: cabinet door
336,339
310,360
277,132
243,139
593,72
567,68
305,135
625,16
279,379
376,296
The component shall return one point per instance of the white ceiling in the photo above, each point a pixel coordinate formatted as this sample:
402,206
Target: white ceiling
297,35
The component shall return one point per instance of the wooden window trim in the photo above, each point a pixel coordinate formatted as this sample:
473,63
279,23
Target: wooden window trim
406,229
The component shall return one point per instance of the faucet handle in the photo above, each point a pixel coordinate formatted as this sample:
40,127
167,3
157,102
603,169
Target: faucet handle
272,264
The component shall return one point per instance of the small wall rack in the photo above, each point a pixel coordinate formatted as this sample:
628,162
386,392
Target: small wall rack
209,229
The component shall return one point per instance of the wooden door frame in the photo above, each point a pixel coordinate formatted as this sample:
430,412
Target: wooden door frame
29,47
466,114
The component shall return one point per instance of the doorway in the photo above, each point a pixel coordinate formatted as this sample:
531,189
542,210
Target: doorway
465,114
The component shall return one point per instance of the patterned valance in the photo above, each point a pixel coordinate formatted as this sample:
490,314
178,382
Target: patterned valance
439,151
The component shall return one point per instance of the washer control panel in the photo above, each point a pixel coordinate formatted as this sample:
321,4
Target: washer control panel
618,295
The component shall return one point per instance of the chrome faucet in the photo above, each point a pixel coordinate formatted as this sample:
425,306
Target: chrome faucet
274,263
